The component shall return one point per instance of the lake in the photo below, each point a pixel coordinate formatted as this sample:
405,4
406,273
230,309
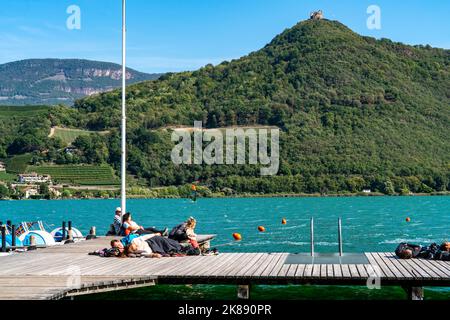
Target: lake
369,223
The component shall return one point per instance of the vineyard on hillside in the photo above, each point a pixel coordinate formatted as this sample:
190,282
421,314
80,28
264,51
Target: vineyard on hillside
100,175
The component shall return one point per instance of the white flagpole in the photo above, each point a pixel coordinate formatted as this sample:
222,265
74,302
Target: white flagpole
124,117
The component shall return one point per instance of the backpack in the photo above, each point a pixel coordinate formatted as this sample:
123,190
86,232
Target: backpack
430,252
404,246
178,233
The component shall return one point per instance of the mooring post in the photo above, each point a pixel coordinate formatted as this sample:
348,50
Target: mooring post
414,293
69,233
8,224
32,243
3,238
13,235
312,237
63,231
92,234
340,236
243,291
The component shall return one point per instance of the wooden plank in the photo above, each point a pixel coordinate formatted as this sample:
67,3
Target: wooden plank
312,270
428,268
391,262
444,272
308,271
354,271
242,262
293,270
345,271
277,267
323,270
383,269
445,265
330,271
337,271
271,266
229,266
299,270
284,270
251,271
254,260
362,271
264,264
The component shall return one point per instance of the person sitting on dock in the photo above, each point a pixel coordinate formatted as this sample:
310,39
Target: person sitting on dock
190,232
117,224
432,252
180,232
129,226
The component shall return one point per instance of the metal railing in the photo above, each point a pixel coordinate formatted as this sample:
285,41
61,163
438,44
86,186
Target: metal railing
341,251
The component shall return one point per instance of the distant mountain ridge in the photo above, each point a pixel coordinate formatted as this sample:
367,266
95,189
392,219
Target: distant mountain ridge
60,81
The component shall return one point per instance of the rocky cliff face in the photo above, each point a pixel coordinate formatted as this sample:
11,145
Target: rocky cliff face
54,81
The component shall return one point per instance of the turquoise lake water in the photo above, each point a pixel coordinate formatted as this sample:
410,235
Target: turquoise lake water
369,223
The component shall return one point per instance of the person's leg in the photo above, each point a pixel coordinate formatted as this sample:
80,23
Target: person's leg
140,232
194,243
154,230
164,245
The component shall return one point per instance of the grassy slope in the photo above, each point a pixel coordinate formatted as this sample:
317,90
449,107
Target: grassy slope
68,135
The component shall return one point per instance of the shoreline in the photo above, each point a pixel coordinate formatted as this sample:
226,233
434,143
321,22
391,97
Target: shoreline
245,195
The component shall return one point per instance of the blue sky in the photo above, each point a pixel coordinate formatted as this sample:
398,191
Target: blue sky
175,35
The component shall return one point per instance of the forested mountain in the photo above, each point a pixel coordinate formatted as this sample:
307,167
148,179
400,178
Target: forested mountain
355,113
55,81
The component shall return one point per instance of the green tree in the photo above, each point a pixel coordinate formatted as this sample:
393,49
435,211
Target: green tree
4,191
388,188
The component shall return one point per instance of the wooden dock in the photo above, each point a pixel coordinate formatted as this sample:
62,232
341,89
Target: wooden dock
67,270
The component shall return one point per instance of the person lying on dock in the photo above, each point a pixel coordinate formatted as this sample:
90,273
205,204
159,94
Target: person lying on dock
431,252
151,245
129,227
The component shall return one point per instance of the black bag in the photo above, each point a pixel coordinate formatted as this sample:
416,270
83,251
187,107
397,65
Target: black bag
442,255
416,249
430,252
179,233
191,251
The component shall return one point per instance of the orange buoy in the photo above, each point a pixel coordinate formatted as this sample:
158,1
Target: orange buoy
261,229
408,219
237,236
283,221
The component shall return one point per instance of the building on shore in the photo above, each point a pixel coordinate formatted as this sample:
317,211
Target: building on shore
31,191
34,178
55,192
